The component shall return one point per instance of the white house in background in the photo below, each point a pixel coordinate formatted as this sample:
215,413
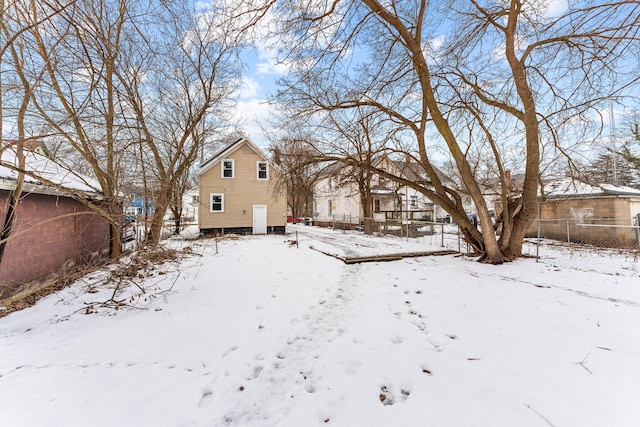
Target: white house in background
190,204
337,197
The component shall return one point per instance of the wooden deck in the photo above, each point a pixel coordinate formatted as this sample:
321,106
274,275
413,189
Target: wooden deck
388,257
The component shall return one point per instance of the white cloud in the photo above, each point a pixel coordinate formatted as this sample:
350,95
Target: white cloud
553,8
248,88
268,63
431,47
521,43
253,114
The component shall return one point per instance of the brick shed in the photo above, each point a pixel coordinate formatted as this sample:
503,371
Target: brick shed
53,232
597,214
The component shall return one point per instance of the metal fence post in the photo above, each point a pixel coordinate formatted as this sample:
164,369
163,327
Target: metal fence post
636,221
407,230
538,242
568,235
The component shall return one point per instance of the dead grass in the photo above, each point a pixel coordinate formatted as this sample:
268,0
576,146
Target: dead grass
130,270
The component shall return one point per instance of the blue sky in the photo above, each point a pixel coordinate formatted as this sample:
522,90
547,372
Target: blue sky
258,81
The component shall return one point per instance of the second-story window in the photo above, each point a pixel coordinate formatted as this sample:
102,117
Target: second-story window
262,170
227,168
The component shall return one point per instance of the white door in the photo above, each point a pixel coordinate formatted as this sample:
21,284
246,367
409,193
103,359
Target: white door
259,219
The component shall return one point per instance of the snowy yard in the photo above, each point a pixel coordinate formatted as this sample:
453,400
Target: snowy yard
265,333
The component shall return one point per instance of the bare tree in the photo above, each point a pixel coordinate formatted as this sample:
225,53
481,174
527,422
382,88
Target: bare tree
133,89
15,20
464,78
79,98
177,77
296,158
359,138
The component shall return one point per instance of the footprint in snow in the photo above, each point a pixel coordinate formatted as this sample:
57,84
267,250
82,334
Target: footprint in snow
230,350
397,339
438,340
257,370
387,396
207,393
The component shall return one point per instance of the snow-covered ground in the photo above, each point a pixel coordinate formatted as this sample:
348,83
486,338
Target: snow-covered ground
265,333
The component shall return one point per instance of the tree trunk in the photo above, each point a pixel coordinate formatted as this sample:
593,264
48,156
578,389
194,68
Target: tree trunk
115,228
9,218
365,202
161,204
527,213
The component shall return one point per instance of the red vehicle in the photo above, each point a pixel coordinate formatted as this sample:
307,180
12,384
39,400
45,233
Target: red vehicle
299,220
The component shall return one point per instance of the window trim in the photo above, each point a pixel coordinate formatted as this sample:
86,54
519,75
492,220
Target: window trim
211,196
233,168
266,164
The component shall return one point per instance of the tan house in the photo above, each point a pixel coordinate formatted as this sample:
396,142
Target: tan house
238,192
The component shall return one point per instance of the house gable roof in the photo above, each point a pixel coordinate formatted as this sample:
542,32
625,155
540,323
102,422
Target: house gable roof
230,149
411,171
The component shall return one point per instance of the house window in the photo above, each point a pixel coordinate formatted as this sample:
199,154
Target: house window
262,170
376,205
330,210
216,202
227,168
195,199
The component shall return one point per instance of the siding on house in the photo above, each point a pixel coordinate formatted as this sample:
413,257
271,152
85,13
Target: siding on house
51,234
241,192
337,189
343,198
190,206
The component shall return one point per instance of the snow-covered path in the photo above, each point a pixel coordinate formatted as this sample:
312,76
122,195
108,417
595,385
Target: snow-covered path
267,334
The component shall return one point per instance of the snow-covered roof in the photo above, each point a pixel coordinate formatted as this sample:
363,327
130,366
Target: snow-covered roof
43,175
568,187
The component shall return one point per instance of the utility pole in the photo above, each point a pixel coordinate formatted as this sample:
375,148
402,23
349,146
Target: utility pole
612,141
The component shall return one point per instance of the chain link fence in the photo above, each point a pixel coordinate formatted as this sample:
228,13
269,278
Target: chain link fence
444,235
605,245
